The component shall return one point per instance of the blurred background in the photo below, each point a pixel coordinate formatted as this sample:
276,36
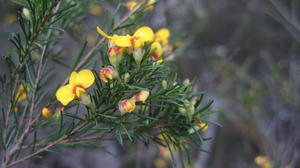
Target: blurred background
245,54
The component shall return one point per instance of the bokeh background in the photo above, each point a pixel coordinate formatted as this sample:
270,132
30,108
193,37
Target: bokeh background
244,55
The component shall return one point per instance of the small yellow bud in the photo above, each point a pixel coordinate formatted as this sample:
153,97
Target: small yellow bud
127,106
46,112
26,13
141,96
200,126
10,18
22,91
182,110
157,50
263,161
107,73
95,10
115,54
130,5
160,61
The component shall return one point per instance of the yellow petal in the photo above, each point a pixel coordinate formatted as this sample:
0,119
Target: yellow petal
73,78
101,32
131,5
162,36
121,41
85,78
158,50
145,33
65,94
46,112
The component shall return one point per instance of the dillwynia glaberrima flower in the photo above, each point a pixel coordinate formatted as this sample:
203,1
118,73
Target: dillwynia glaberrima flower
141,96
142,35
199,125
22,92
133,3
135,42
162,36
108,73
78,82
263,162
46,112
127,106
157,50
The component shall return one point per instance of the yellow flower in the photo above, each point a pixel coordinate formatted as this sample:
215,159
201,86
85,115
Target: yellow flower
157,50
142,35
160,61
133,3
130,5
263,161
10,18
22,92
199,126
46,112
127,106
141,96
203,126
107,73
162,36
165,152
78,82
95,10
160,163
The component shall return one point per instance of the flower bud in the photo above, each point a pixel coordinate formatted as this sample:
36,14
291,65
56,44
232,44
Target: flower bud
130,5
182,110
160,61
46,112
138,55
200,125
157,50
127,106
126,77
26,13
141,96
108,73
164,84
115,55
186,81
62,108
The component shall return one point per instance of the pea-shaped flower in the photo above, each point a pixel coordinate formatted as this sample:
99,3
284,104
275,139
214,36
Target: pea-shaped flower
127,106
78,82
141,96
108,73
142,35
157,50
162,36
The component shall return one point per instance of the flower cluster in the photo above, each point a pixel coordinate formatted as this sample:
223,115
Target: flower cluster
128,105
118,44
